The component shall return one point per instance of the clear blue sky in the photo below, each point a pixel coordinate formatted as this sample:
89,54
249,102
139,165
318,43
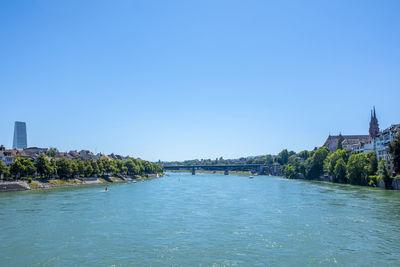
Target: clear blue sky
175,80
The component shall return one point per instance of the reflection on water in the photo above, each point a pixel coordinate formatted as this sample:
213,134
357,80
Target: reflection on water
206,219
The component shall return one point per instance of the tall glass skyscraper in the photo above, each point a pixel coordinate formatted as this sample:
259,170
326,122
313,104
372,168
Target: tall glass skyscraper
20,139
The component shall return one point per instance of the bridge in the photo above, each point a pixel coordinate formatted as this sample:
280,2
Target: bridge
254,168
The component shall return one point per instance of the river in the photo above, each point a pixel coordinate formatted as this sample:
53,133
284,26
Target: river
206,219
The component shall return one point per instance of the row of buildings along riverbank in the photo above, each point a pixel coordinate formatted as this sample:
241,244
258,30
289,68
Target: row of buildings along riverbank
377,140
31,163
20,149
8,156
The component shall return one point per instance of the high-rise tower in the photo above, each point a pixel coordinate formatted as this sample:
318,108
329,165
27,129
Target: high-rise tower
373,124
20,139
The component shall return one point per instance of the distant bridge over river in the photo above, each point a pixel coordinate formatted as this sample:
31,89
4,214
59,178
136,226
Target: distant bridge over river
254,168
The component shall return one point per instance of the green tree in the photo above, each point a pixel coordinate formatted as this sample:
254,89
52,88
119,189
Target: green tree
136,170
315,164
17,168
304,154
100,165
339,174
372,163
302,169
52,152
384,174
148,168
132,167
269,160
110,167
283,157
105,163
74,168
95,167
294,161
141,167
30,168
43,165
357,169
88,169
158,168
332,159
4,169
260,160
121,168
64,168
289,171
394,150
250,161
81,167
53,168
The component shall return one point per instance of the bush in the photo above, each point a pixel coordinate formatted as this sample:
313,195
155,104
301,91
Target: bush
34,185
289,171
373,180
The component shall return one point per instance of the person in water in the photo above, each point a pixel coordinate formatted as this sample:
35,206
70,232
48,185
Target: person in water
106,189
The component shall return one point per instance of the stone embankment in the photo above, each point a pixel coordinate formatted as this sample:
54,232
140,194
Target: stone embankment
13,186
396,184
380,182
10,186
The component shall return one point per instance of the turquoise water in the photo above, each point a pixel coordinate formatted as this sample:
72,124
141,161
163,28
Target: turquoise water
206,219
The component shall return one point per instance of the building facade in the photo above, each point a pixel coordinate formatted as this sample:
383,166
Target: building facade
348,141
381,144
358,145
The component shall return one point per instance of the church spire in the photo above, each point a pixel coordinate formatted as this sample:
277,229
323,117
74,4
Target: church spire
373,124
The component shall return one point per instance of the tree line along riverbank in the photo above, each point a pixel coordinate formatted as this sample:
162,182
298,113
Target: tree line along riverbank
48,172
343,166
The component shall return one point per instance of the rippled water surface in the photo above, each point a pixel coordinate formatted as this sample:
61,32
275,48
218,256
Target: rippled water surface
206,219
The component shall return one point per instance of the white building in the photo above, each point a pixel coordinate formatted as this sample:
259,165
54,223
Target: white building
381,143
358,146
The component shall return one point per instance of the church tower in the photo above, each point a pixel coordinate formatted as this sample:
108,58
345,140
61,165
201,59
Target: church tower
373,124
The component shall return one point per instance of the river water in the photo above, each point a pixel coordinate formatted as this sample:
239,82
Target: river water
206,219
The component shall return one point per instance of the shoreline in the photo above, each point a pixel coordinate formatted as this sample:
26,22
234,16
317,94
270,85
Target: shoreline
23,185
